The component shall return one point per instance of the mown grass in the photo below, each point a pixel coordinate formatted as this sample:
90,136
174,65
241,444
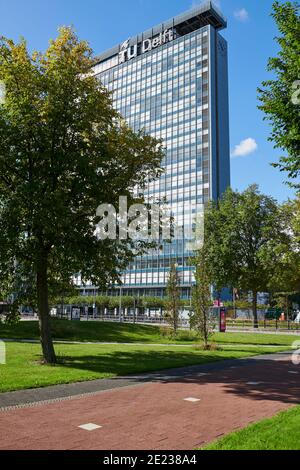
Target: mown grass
84,331
129,333
281,432
80,362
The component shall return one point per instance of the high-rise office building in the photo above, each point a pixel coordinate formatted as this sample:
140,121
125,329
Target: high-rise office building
172,81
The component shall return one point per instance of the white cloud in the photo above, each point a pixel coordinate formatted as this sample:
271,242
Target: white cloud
244,148
241,15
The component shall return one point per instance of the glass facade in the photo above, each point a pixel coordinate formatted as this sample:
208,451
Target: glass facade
169,92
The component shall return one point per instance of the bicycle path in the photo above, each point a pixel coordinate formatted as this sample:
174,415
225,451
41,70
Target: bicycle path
178,409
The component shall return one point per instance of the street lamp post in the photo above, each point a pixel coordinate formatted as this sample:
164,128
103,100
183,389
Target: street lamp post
94,304
235,291
134,309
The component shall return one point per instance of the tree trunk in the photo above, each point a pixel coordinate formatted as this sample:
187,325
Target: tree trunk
254,307
175,317
43,311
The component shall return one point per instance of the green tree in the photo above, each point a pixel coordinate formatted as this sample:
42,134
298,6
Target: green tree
242,234
200,319
173,299
64,151
280,97
286,273
295,220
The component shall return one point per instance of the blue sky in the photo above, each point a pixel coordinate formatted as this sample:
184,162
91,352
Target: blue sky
250,35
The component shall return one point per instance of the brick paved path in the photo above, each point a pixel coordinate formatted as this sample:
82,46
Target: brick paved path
155,415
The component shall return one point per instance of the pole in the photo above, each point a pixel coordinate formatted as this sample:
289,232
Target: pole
120,305
139,310
94,304
233,300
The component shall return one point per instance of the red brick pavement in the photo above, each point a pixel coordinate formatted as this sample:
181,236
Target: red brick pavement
154,416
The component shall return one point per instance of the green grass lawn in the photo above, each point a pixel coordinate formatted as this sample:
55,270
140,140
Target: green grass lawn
279,433
129,333
92,361
256,338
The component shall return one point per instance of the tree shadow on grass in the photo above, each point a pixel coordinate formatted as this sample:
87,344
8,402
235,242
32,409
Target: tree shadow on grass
103,331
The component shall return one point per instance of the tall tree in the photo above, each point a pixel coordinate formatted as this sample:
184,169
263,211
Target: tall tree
295,219
173,299
200,319
242,232
64,151
286,273
280,97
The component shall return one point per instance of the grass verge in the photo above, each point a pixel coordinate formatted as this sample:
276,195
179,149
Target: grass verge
282,432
